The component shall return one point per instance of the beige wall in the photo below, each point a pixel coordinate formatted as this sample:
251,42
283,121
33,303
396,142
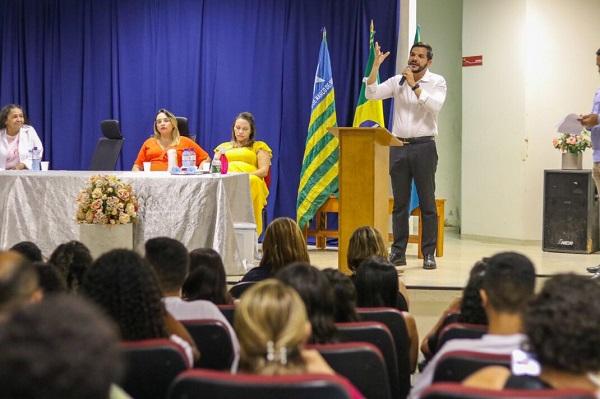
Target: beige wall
538,65
441,26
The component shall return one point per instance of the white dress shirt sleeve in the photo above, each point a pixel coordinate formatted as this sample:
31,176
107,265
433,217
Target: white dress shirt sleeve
432,99
383,90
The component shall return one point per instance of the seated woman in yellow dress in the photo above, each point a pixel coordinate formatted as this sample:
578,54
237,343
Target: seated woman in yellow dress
244,154
166,136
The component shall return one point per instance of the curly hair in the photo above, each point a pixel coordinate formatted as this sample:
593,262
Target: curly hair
344,295
317,294
561,324
60,348
271,314
471,308
50,281
6,110
207,278
29,250
283,244
125,286
71,259
366,241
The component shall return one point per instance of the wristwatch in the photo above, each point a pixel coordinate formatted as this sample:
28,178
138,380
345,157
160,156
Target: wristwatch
415,87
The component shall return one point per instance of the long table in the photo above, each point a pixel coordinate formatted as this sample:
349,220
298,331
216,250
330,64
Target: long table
200,210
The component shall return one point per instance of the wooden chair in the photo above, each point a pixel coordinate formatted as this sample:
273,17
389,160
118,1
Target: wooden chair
322,233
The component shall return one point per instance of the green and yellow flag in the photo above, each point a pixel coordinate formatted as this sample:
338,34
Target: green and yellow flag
319,175
369,113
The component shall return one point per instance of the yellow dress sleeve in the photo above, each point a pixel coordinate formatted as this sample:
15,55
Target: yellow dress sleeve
224,146
261,145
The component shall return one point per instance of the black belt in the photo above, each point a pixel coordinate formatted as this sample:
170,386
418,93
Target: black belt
415,140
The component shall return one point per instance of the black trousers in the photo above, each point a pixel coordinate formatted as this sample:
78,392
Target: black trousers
416,161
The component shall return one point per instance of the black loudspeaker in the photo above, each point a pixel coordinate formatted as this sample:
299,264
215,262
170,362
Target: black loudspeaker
570,211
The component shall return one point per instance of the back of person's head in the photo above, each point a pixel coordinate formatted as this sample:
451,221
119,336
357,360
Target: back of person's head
366,241
376,282
49,280
29,250
471,308
61,348
124,286
206,279
170,260
344,295
72,259
561,323
272,325
508,281
283,244
19,282
317,295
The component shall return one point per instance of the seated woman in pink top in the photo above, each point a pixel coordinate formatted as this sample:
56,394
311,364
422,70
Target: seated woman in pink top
166,136
16,139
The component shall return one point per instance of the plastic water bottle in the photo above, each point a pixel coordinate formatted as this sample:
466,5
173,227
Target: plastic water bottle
216,165
191,160
36,159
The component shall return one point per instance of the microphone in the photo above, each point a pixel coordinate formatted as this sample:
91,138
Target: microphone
403,77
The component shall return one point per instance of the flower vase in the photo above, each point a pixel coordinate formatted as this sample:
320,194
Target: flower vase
572,160
101,238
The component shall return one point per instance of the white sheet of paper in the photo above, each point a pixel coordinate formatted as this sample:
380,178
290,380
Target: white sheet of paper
570,125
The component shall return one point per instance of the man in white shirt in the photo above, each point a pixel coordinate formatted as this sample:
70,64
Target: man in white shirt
507,286
418,98
170,261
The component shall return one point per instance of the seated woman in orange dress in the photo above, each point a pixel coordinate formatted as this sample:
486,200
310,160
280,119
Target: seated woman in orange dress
166,136
244,154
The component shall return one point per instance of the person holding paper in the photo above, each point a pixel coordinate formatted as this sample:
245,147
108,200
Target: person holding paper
17,139
418,98
592,122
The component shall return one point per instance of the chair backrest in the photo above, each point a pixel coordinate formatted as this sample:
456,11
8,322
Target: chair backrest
217,384
432,341
455,366
151,367
213,341
184,127
228,311
379,335
361,363
394,321
458,391
237,290
108,147
459,331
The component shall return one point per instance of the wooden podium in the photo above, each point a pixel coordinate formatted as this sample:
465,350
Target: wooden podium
363,182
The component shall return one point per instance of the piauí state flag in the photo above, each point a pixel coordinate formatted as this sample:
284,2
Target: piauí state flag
369,113
319,175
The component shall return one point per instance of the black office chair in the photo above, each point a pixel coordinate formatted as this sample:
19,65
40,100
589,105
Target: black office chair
108,147
184,127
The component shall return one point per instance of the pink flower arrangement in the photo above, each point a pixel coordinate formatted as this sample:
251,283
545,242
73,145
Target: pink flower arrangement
106,200
573,143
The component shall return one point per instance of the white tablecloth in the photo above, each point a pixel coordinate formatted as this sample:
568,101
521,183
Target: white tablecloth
198,210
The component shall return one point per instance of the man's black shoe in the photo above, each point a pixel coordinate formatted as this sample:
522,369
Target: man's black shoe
398,259
593,269
429,262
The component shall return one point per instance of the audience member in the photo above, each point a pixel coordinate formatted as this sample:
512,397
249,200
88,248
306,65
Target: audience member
273,327
344,296
125,287
166,136
283,244
245,154
560,336
61,348
206,279
18,283
377,284
29,250
17,139
170,260
507,286
366,241
317,295
465,309
49,280
72,259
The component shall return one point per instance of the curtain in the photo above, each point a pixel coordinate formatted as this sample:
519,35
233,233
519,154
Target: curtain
73,63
